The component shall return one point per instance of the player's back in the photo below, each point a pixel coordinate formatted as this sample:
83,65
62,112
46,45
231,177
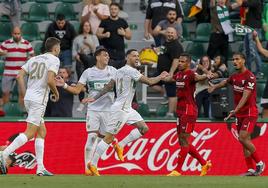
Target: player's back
126,78
37,68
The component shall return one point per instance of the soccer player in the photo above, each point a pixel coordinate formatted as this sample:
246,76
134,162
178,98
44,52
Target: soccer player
95,78
187,112
121,111
41,71
246,111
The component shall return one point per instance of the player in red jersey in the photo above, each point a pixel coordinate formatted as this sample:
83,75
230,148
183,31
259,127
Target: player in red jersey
187,112
246,111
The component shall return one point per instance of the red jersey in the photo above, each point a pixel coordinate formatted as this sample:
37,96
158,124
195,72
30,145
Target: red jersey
240,82
185,84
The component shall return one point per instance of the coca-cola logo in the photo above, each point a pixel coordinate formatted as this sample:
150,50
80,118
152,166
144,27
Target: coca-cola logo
25,160
160,153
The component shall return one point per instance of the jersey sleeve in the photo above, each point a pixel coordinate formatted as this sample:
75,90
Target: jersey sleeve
135,74
83,78
54,66
250,83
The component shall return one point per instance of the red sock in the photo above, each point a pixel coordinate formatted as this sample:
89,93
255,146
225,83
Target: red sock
195,154
255,156
249,162
181,157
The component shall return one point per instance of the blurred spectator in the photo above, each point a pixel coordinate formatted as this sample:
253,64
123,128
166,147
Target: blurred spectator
95,12
201,92
142,4
64,31
84,46
16,51
265,20
222,31
156,11
12,9
167,61
64,106
170,21
218,68
204,15
253,20
111,34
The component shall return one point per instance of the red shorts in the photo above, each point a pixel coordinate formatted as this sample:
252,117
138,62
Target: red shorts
185,123
246,123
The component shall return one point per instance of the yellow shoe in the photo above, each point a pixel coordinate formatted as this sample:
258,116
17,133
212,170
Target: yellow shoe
119,151
88,172
93,169
206,168
174,173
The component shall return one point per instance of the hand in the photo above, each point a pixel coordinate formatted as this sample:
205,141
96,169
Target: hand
231,113
147,36
211,88
87,100
95,10
121,31
163,75
54,97
107,35
254,34
59,81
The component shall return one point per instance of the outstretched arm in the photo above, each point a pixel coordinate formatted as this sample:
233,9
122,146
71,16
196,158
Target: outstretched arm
108,87
72,89
153,80
217,86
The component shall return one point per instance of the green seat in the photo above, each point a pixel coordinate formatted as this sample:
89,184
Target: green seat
70,1
30,31
264,69
143,110
185,32
203,32
5,31
161,110
44,1
13,109
67,10
196,50
133,26
260,89
37,47
76,25
4,18
38,12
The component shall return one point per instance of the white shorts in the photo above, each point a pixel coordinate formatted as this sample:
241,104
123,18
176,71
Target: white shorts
118,119
35,112
96,121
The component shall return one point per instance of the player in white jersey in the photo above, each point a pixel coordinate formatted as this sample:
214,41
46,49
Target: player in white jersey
94,78
121,110
41,71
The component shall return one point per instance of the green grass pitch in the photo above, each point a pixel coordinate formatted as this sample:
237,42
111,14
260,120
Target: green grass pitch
76,181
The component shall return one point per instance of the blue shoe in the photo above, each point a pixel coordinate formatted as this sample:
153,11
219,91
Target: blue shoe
3,168
44,173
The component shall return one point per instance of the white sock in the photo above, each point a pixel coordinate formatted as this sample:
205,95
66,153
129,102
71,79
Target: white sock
18,142
133,135
101,148
260,163
39,153
92,141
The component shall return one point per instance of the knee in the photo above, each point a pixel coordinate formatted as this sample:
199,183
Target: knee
242,139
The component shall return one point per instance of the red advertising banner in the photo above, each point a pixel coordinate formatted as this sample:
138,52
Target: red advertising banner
154,154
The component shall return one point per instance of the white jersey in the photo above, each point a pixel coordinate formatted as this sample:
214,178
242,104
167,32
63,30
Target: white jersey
37,68
95,79
126,78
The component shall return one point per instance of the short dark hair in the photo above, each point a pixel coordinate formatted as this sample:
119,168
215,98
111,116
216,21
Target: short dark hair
68,70
50,43
189,58
240,54
60,17
171,9
116,4
130,51
99,49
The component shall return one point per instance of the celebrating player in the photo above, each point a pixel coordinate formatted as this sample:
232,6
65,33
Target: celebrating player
41,71
246,111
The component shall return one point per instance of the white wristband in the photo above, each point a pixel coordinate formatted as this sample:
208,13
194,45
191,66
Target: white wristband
65,86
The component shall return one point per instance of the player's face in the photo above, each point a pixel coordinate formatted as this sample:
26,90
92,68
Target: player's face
238,62
171,16
134,59
114,10
183,63
104,58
